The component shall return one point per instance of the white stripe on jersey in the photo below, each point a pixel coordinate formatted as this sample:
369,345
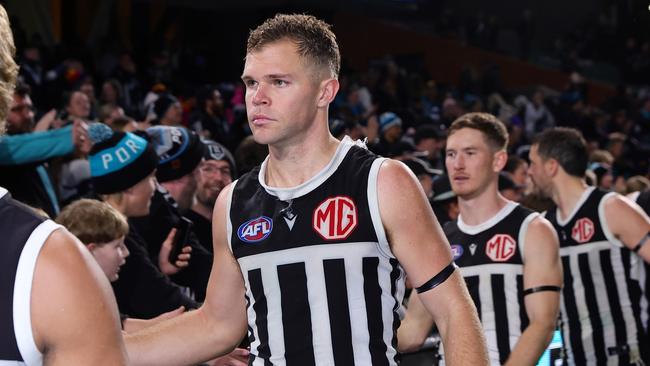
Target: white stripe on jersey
23,292
353,255
606,318
509,269
586,248
613,240
512,302
252,318
644,298
321,332
11,363
373,205
623,293
581,304
358,316
487,314
271,286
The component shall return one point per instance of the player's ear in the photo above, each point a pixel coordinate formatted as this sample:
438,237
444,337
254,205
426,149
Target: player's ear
328,90
500,160
551,166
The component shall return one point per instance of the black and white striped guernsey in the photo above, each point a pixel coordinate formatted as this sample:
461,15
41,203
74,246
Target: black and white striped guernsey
23,236
601,293
643,200
490,257
322,285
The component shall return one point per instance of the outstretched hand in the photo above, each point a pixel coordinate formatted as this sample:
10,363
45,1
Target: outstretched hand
238,357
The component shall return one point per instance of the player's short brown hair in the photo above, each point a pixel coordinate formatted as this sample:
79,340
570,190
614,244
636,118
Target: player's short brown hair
492,128
313,37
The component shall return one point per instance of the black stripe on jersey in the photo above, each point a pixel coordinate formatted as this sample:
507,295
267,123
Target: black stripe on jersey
614,301
261,313
500,316
634,290
337,303
523,315
372,294
394,276
572,315
296,314
592,307
472,283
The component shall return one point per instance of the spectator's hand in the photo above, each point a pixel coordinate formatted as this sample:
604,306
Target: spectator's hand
46,121
133,325
181,262
238,357
80,137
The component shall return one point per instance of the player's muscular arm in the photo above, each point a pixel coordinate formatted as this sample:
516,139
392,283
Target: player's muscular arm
74,314
542,276
419,244
629,223
415,327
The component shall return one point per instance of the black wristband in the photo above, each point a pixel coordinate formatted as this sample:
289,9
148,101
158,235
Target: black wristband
641,243
437,279
533,290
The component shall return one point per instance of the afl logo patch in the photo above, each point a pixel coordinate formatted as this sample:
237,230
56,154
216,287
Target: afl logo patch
456,251
255,230
335,218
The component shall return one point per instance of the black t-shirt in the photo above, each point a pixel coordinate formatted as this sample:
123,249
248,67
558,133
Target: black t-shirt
142,291
155,227
202,229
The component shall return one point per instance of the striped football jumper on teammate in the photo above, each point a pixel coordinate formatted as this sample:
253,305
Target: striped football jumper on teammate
507,254
599,234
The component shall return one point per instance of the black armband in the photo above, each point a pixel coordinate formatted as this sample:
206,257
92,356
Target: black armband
533,290
641,243
437,279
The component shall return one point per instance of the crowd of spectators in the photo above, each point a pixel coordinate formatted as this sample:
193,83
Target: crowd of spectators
46,159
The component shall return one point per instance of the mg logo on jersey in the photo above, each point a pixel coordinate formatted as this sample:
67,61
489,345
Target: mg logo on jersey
583,230
255,230
335,218
501,247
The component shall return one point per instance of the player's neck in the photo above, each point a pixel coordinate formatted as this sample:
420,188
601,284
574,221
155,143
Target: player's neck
567,192
479,209
294,164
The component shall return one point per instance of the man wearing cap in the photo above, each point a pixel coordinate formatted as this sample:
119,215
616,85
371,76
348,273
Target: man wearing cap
429,142
123,167
214,173
444,200
390,131
167,110
424,173
180,152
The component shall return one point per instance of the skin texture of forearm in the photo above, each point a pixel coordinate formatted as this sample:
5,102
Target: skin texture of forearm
201,338
531,344
463,339
458,323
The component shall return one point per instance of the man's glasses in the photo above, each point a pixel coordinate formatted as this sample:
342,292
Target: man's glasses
206,169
